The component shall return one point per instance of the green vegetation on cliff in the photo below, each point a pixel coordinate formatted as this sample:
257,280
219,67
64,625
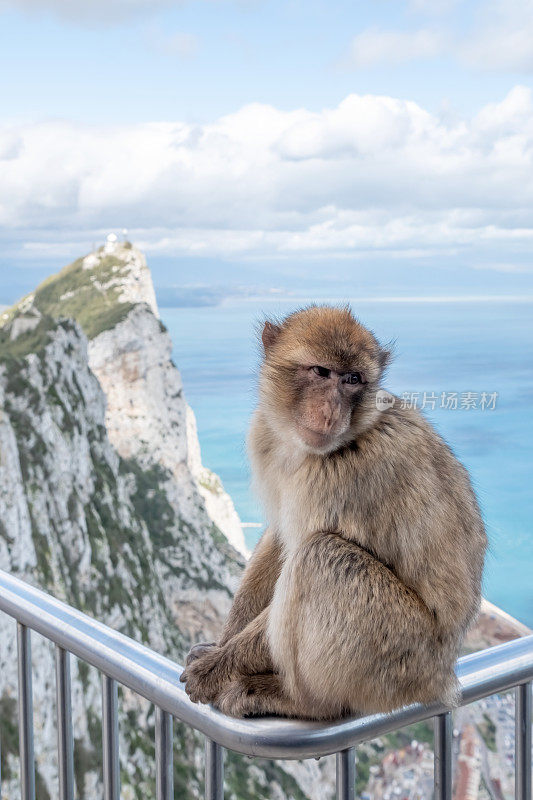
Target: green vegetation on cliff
88,295
32,341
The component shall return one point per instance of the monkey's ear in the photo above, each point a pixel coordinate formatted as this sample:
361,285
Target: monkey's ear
270,334
384,358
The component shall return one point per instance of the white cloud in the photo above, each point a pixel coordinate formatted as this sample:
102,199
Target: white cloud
91,11
500,38
504,39
94,12
375,46
372,174
511,117
184,45
181,44
506,267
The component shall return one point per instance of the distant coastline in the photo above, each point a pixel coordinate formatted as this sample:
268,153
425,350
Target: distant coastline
209,296
202,296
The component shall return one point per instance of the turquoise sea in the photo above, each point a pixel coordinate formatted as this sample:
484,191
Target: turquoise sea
441,345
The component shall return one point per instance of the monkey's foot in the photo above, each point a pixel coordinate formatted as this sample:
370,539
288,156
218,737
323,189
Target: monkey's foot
198,650
205,675
256,695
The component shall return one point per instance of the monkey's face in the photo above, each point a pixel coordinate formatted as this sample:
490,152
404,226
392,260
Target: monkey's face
325,399
319,377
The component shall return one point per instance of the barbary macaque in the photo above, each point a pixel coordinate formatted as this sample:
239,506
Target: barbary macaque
359,593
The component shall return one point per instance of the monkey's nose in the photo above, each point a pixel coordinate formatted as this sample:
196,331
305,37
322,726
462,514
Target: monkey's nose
330,415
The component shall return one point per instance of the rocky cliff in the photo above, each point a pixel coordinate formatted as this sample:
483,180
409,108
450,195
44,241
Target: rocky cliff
105,503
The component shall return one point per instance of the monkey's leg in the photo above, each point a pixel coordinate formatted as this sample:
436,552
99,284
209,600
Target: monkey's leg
245,653
239,677
253,595
259,694
345,631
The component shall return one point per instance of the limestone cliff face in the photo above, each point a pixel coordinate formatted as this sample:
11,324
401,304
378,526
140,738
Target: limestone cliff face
147,416
103,532
110,293
104,503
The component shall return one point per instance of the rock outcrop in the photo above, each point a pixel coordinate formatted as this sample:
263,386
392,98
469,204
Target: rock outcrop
104,502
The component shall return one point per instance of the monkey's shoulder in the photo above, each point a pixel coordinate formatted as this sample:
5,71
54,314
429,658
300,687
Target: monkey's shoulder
401,432
404,448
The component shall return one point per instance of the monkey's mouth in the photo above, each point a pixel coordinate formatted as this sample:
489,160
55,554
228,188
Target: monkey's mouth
316,440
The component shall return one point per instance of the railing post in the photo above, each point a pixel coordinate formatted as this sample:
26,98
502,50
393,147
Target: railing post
345,774
111,767
523,741
164,769
442,775
214,771
65,741
27,759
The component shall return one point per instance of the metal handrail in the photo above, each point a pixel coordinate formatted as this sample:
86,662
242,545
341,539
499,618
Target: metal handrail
156,678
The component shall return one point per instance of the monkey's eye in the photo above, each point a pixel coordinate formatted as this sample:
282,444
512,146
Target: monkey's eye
353,378
324,372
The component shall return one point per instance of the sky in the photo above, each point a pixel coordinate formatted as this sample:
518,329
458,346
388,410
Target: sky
255,142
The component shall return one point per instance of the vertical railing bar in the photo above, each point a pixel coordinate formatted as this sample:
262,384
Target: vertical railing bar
27,758
111,767
65,739
164,768
214,771
523,741
443,756
345,774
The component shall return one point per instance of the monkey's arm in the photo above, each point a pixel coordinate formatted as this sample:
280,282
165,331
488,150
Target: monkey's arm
257,586
253,595
243,647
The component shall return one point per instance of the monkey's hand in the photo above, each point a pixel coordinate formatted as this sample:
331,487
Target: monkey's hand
197,651
205,675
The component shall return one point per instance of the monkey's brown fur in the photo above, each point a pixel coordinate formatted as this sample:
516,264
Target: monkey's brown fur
358,595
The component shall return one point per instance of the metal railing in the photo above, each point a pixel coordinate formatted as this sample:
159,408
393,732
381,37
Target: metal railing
156,678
